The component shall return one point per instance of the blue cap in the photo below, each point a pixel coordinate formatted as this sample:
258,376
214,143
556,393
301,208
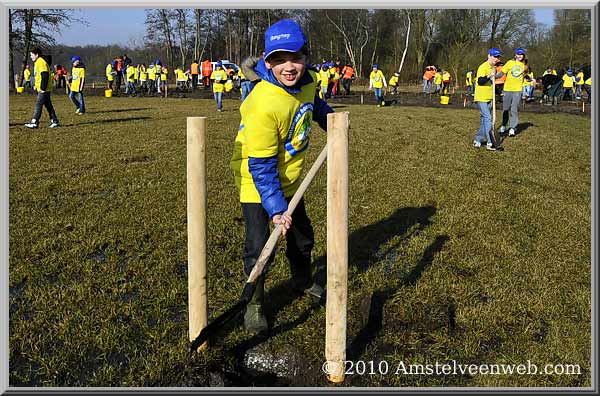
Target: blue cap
75,58
219,64
570,71
284,35
495,52
519,51
375,66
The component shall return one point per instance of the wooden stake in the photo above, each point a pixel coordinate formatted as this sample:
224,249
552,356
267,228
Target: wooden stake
361,99
337,245
196,219
583,106
465,102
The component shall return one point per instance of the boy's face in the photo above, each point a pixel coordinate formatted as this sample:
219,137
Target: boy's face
288,67
33,56
76,63
520,57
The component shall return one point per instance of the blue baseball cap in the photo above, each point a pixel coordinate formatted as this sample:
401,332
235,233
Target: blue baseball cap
519,51
284,35
375,66
570,71
75,58
220,64
495,52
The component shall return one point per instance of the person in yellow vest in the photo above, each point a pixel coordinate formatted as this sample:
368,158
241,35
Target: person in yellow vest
218,78
469,83
568,85
110,76
588,89
446,78
528,85
483,97
549,70
334,75
579,84
143,78
163,77
43,86
324,80
376,83
269,155
244,84
394,83
136,76
151,78
437,81
514,70
76,85
130,79
27,77
158,72
180,79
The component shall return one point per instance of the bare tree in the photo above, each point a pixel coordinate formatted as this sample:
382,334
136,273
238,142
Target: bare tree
35,27
406,44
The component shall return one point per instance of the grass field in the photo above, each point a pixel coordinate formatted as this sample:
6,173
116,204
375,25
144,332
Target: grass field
455,253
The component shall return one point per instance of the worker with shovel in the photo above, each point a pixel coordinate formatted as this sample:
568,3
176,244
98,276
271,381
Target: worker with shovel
484,96
269,155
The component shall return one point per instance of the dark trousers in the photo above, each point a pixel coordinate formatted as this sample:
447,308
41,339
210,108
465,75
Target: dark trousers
300,240
346,84
118,82
194,81
588,90
43,100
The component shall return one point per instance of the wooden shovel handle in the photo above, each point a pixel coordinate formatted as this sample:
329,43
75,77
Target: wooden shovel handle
272,241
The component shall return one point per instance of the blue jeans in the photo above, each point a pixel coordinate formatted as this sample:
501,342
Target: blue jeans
426,86
219,99
378,95
485,126
77,101
245,89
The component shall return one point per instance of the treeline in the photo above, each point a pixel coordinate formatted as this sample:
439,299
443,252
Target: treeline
398,40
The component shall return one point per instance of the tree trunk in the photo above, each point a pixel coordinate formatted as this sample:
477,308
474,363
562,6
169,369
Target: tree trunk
406,43
28,16
11,53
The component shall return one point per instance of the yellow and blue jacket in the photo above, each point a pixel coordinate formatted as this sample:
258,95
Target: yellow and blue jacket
274,133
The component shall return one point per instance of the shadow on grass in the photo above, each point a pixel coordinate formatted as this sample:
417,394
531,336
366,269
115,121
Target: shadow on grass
365,243
109,121
119,110
523,127
375,317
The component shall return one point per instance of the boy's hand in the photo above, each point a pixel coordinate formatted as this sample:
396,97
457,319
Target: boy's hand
285,220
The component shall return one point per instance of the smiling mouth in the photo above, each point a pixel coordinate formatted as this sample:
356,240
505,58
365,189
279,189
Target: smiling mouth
290,77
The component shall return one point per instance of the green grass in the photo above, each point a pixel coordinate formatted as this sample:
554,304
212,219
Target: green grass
455,253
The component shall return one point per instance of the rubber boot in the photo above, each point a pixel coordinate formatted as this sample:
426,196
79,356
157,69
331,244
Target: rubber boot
302,282
254,318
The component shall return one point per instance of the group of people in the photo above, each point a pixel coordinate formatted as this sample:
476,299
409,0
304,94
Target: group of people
564,85
515,72
437,79
44,78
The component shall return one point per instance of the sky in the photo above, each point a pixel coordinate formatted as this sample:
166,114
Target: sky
125,26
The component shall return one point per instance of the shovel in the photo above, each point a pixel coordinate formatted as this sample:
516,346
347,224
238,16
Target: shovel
250,285
495,140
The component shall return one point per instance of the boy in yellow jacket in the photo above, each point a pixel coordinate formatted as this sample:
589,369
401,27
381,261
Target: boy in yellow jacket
43,86
376,83
268,158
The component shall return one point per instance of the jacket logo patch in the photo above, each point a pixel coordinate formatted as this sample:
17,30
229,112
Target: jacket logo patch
299,132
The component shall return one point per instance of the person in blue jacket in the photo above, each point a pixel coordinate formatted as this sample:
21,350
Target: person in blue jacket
269,156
